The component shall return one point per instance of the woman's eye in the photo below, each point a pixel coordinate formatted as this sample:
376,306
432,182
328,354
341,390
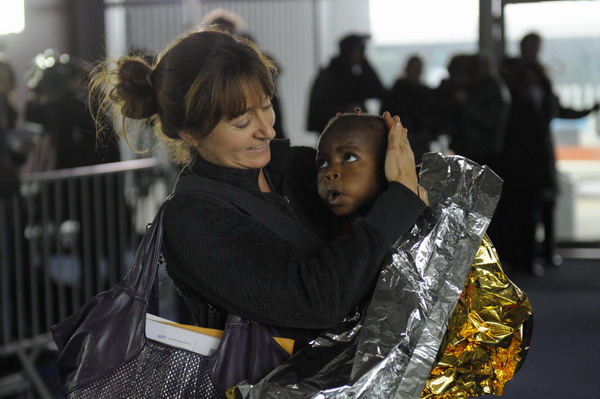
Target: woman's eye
267,105
321,163
242,124
350,158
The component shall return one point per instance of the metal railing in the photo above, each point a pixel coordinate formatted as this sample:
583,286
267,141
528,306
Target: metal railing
68,235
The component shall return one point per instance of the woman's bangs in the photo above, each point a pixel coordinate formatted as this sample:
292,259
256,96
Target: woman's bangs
241,94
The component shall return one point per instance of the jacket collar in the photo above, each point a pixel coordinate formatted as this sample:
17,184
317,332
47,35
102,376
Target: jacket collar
247,179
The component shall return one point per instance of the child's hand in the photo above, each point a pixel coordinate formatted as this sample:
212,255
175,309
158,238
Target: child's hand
399,159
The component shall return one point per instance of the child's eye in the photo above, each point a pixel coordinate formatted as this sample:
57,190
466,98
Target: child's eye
350,157
321,163
267,105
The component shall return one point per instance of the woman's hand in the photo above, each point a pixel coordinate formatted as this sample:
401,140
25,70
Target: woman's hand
399,159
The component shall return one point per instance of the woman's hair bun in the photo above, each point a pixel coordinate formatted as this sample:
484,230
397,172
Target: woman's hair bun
134,88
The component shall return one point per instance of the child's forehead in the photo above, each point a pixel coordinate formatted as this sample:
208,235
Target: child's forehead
357,136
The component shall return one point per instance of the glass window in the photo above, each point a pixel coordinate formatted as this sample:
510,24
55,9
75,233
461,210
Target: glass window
435,29
12,16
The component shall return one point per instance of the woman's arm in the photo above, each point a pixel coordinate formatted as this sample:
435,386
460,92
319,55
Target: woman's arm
237,263
234,261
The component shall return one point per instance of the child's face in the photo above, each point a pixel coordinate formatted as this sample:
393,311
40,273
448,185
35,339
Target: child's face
349,174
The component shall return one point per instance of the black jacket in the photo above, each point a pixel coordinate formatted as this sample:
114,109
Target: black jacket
217,254
341,87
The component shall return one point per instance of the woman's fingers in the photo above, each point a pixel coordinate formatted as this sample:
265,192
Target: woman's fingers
398,134
399,160
387,118
395,135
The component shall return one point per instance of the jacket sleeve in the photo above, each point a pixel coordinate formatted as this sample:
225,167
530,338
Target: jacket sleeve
234,261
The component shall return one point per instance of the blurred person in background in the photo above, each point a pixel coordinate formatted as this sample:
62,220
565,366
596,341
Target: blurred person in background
529,170
412,101
344,85
471,106
56,101
14,143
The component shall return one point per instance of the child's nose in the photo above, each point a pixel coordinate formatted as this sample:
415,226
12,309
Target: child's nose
332,175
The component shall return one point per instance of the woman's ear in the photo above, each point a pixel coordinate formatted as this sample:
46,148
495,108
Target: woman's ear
188,138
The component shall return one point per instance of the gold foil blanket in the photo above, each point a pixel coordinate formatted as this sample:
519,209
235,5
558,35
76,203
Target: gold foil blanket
487,336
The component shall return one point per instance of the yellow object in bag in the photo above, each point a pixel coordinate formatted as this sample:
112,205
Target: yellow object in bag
196,339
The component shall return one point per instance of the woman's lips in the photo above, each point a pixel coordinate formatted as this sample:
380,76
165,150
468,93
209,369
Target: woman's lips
259,148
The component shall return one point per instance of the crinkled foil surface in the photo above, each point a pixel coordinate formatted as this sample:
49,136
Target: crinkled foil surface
488,334
390,350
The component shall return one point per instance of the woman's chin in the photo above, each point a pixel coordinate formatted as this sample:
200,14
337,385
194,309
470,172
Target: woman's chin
256,161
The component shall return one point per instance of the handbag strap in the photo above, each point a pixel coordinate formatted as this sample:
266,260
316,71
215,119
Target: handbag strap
141,276
288,228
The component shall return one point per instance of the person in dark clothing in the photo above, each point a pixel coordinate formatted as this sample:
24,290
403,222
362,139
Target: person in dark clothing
412,101
11,156
344,85
15,143
471,107
209,98
528,167
57,102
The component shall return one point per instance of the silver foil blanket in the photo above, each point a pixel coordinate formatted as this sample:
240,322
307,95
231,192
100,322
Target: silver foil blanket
389,350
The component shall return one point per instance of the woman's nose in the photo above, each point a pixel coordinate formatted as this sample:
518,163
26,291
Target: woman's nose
265,129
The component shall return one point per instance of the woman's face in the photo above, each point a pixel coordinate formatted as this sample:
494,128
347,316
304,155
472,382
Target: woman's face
241,142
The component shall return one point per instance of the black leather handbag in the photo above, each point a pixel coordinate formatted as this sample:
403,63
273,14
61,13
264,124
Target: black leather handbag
103,349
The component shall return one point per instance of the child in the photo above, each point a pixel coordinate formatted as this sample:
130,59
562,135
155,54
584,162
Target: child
350,166
350,156
350,163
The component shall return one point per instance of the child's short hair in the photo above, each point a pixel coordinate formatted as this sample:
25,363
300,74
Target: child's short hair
365,122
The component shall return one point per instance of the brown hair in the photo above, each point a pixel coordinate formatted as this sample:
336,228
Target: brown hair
201,78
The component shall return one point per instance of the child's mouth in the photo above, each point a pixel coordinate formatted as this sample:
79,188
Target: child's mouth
334,195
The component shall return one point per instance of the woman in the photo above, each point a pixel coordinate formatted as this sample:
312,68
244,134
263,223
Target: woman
208,96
